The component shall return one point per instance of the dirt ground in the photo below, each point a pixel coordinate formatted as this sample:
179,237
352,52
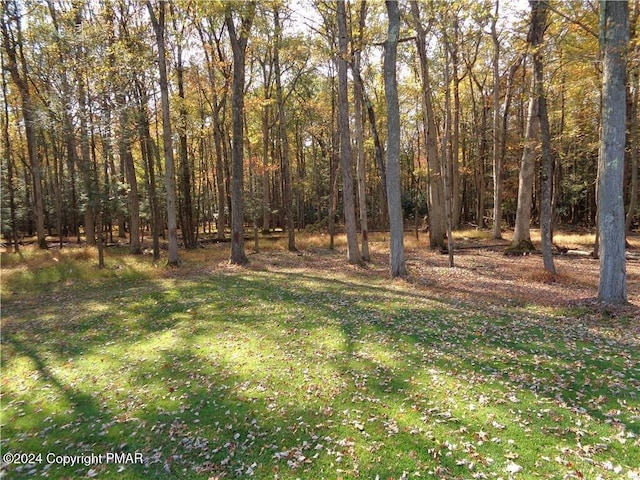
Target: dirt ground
484,277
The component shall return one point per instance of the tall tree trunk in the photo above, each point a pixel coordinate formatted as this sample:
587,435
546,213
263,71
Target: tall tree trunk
359,134
186,216
221,195
147,148
397,265
266,109
169,164
17,66
436,183
353,251
455,134
634,124
377,144
612,287
447,160
86,165
334,162
239,46
497,157
126,156
522,233
483,149
284,139
9,161
546,184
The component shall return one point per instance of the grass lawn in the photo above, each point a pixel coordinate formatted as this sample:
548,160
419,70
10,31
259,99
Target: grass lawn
285,371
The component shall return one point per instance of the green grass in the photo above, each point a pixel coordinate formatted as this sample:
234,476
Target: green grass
282,373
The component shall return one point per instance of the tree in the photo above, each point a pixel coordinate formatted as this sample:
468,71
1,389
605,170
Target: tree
239,46
633,112
353,251
358,107
283,136
169,163
436,182
522,234
17,65
397,263
497,154
87,167
539,15
217,61
611,221
186,215
7,156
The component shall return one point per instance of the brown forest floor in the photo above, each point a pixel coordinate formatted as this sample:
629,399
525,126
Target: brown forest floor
483,276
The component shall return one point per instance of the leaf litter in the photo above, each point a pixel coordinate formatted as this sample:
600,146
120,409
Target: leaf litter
290,371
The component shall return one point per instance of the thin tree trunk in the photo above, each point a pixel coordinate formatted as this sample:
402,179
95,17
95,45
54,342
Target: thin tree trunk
437,213
397,265
239,45
612,286
169,164
148,153
334,163
17,66
497,157
127,158
353,251
634,140
284,139
455,135
86,167
378,151
266,198
9,161
546,185
522,233
447,162
186,217
359,135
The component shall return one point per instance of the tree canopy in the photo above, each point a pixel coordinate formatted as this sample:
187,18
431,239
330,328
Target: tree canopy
249,103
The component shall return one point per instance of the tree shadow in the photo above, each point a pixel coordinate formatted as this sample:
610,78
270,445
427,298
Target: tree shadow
363,370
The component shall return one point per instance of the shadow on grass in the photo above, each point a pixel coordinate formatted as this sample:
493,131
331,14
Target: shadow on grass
307,376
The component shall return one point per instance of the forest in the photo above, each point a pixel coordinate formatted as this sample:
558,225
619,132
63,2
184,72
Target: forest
188,120
320,239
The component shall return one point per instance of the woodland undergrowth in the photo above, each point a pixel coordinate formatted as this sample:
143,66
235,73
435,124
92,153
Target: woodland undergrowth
299,366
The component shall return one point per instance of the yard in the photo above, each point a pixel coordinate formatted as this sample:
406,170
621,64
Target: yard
300,366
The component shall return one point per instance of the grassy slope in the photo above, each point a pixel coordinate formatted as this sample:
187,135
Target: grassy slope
274,372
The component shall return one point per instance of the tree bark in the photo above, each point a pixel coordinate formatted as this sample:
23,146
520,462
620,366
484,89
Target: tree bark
186,217
497,157
86,165
377,144
353,251
633,123
9,162
522,234
359,135
147,147
436,183
169,163
612,286
397,265
284,139
239,46
546,184
134,202
447,154
17,66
